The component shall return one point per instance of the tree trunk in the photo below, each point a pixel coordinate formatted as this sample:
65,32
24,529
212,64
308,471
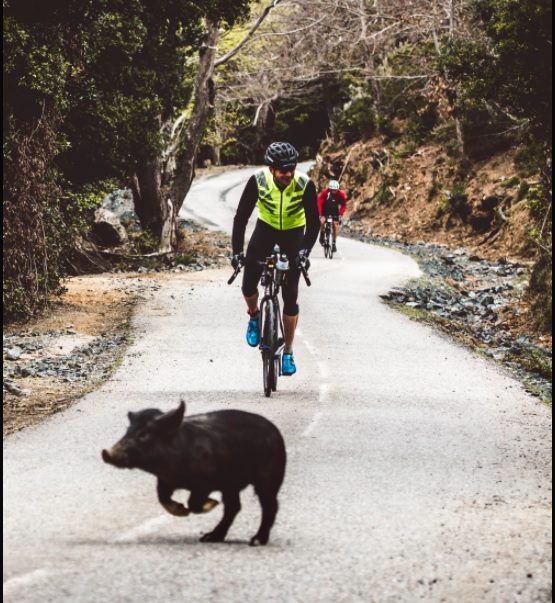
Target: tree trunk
330,110
451,91
264,124
147,196
216,154
168,229
202,107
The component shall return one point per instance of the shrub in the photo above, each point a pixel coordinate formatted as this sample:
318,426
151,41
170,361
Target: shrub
41,222
358,120
540,293
456,202
32,243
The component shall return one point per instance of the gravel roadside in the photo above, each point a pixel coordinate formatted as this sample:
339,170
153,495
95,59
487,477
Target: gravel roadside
81,338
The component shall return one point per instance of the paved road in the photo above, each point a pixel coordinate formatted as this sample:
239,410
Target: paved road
416,472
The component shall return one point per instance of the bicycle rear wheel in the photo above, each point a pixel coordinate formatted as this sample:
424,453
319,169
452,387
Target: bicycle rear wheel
327,242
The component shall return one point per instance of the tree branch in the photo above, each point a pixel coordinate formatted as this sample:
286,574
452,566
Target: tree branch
249,35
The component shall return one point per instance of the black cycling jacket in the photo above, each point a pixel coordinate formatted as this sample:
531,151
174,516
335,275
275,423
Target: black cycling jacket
248,202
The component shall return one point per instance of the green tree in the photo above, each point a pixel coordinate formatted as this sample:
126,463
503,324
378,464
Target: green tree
89,88
504,73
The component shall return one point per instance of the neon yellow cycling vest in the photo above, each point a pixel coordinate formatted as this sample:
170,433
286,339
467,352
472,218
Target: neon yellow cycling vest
282,210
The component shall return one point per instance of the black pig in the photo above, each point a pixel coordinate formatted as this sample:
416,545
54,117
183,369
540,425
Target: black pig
221,451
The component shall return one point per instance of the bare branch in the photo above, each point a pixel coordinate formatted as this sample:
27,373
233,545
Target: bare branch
249,35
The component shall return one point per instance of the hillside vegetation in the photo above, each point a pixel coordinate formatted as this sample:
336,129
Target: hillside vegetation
416,195
436,110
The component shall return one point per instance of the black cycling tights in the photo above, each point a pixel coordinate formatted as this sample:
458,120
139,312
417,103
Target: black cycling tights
260,247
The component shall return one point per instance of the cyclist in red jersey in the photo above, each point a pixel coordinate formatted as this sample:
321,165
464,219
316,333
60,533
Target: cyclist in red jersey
332,201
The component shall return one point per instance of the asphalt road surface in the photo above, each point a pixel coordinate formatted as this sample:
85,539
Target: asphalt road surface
417,471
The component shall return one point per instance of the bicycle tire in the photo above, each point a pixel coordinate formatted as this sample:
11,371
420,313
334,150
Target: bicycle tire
276,371
268,347
277,360
327,244
268,375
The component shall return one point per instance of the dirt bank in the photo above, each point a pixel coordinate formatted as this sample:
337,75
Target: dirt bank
78,342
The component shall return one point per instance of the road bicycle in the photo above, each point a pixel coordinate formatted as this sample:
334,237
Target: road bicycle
274,274
327,241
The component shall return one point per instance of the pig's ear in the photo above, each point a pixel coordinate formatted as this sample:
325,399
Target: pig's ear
131,416
171,420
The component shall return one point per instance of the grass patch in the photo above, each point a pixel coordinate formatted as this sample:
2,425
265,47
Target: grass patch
535,362
417,314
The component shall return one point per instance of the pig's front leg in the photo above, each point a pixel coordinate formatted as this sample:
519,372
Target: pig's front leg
165,497
200,503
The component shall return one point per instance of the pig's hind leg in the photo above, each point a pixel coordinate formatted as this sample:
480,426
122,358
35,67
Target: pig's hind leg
268,501
232,506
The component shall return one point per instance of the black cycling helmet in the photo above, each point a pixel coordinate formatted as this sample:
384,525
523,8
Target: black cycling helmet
281,155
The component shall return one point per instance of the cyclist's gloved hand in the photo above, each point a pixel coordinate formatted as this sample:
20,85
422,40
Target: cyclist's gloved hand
238,260
302,259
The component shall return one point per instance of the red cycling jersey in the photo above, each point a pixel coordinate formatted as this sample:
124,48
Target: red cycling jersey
335,204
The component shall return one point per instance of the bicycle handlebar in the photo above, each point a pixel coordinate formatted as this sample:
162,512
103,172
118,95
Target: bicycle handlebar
302,268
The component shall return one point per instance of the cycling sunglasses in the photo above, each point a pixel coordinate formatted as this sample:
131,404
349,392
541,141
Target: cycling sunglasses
284,169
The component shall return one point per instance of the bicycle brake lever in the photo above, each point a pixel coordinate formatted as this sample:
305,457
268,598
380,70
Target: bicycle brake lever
306,277
234,275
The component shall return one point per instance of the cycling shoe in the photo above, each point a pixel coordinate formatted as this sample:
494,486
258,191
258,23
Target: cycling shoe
288,367
253,332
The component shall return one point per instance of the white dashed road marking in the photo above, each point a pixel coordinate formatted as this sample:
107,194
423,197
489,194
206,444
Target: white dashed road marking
142,529
324,371
312,425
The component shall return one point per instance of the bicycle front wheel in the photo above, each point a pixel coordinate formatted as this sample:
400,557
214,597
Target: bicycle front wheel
268,346
275,375
268,375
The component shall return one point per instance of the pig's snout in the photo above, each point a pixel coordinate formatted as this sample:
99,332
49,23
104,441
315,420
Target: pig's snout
116,457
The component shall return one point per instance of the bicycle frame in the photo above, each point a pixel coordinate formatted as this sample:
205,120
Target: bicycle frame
271,322
272,339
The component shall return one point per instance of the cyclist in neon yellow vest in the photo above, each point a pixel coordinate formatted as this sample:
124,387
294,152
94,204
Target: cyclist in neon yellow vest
288,217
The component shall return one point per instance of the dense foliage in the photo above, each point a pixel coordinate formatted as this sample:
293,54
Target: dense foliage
88,85
505,85
93,88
